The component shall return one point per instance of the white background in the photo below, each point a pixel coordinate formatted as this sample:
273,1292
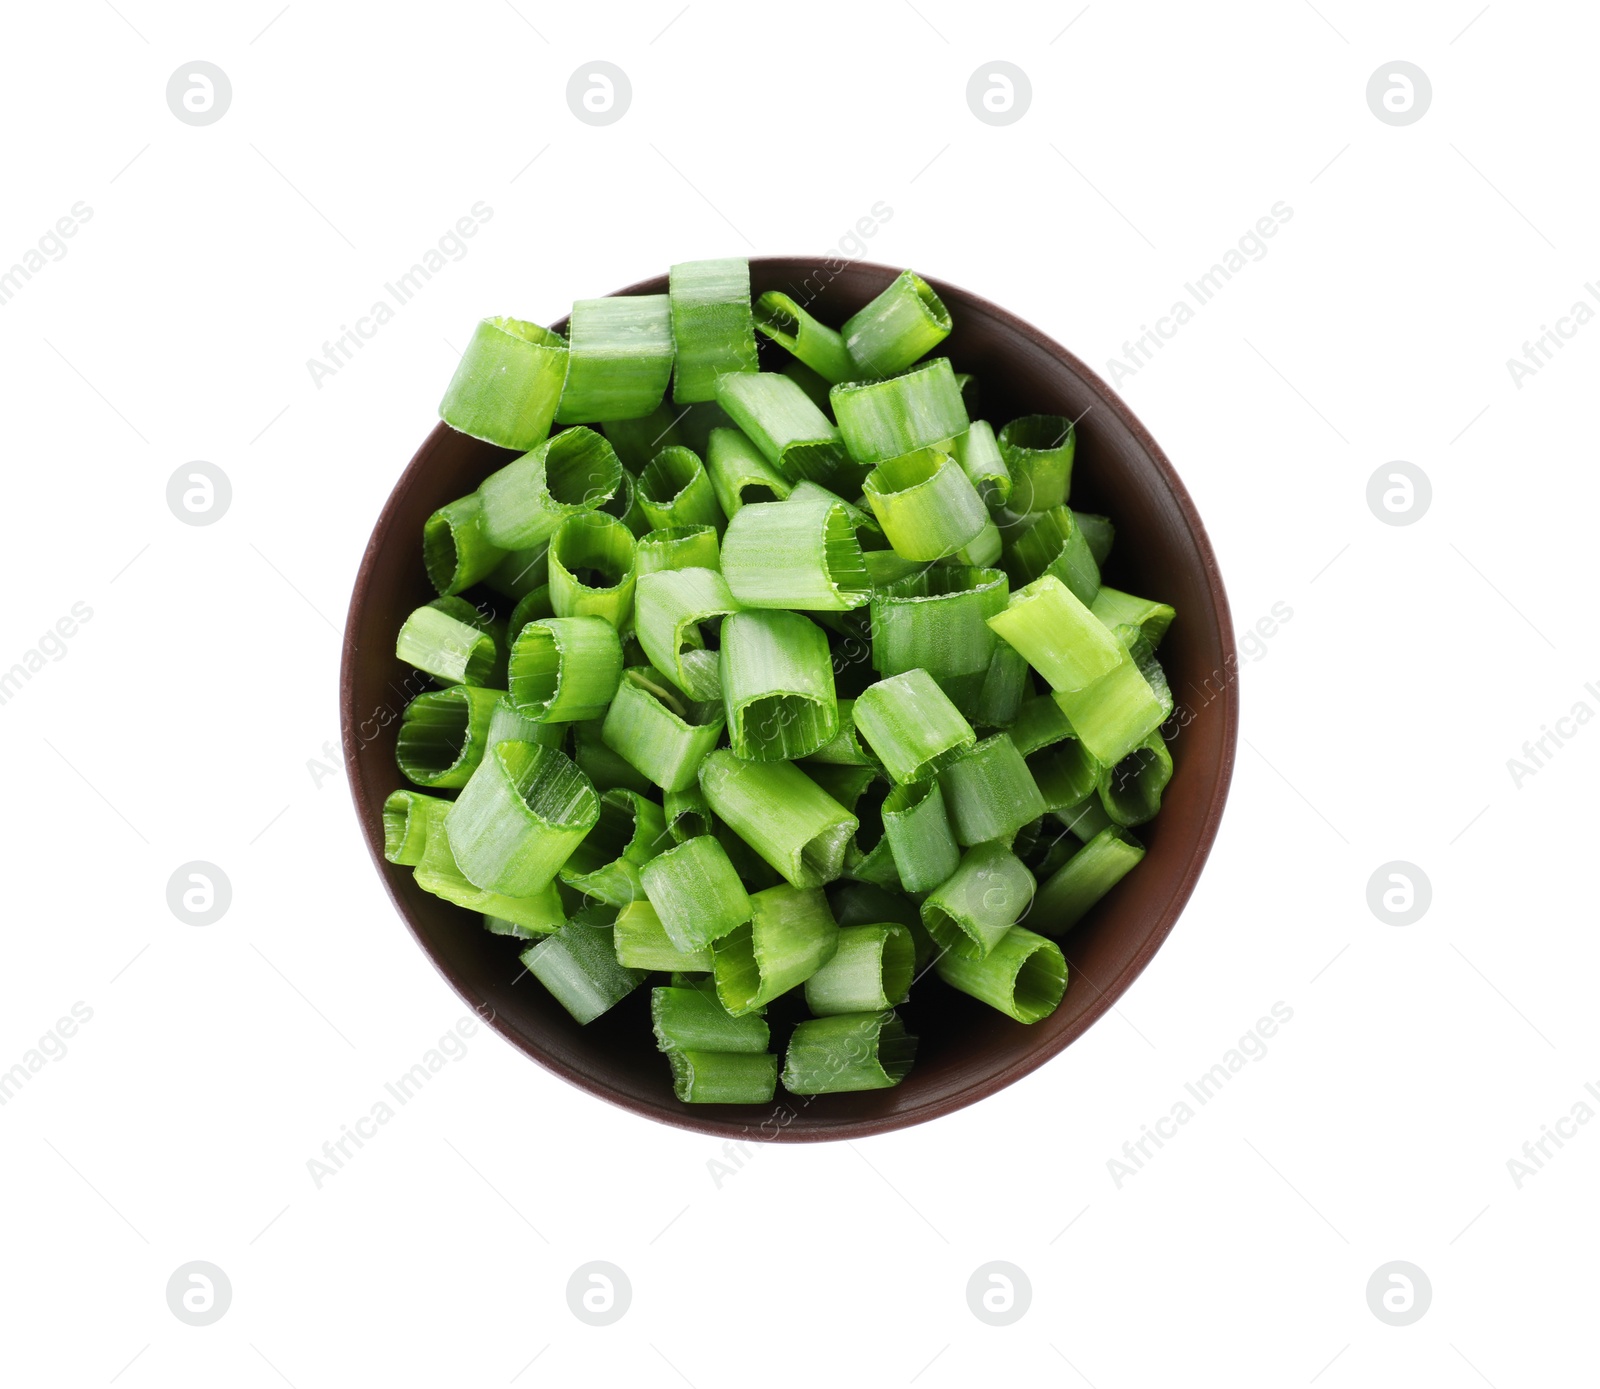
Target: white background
183,718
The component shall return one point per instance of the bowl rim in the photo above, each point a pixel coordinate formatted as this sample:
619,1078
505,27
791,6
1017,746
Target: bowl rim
368,811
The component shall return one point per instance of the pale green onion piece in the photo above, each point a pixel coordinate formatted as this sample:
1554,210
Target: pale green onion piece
591,568
676,547
790,326
711,325
578,965
795,437
808,491
1024,976
671,606
658,732
521,572
525,501
983,549
1086,819
791,934
795,554
1100,534
688,815
456,549
907,321
1039,723
620,358
976,450
520,817
845,749
1131,790
1066,774
782,814
608,770
639,440
919,835
1055,544
851,1051
565,668
971,911
629,833
816,387
912,726
507,383
1005,685
1060,638
884,568
443,734
715,1077
1066,897
925,504
531,607
1038,450
451,651
676,490
483,619
696,892
624,505
1138,646
740,473
501,926
508,724
1115,608
643,943
407,818
879,420
691,1019
777,684
989,793
1117,712
936,620
871,970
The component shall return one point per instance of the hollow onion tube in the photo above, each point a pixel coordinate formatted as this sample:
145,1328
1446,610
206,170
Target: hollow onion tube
905,322
676,490
624,505
619,358
531,607
936,620
407,818
850,1051
795,554
507,383
676,547
979,455
818,346
1055,544
777,684
696,892
1131,790
711,325
1038,450
1137,646
1024,976
443,734
670,606
1116,713
912,726
1114,607
971,911
524,502
507,723
1086,819
845,748
740,473
795,437
629,833
591,568
639,440
1065,773
989,792
1100,534
520,817
780,813
1005,685
1039,723
691,1019
521,572
790,935
662,735
926,506
983,549
1060,638
642,942
565,668
815,492
715,1077
687,814
451,651
485,621
456,549
870,971
1066,897
879,420
606,768
578,965
870,856
919,835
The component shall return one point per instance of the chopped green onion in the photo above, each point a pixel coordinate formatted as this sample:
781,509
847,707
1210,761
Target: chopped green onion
907,321
525,501
1065,773
407,818
443,734
867,904
843,782
521,572
971,911
687,813
1116,713
696,892
1024,976
1115,608
845,749
691,1019
780,813
624,506
870,971
643,943
1100,534
925,504
978,454
591,568
919,835
456,550
754,871
790,935
714,1077
663,736
620,357
677,547
983,549
1131,790
502,926
795,554
565,668
989,792
579,966
816,387
1039,723
1065,898
850,1051
935,620
1055,544
508,724
880,420
608,770
451,651
639,440
911,724
1005,685
1138,646
676,490
870,856
1061,638
629,833
818,346
1086,819
507,383
671,606
1038,450
740,473
531,607
778,417
711,325
777,684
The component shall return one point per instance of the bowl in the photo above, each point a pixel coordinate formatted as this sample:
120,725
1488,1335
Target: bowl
966,1050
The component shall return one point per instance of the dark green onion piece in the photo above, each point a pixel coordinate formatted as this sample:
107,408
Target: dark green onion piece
714,1077
778,417
989,792
456,549
443,734
740,473
777,684
845,749
1131,790
676,490
672,605
620,358
820,347
677,547
790,935
905,322
711,325
910,723
508,724
1039,723
451,651
658,732
1005,685
1055,544
925,504
936,621
521,572
1038,451
629,833
642,942
639,440
1086,819
919,835
688,815
1100,534
1066,897
565,668
780,813
795,554
880,420
579,966
525,501
871,970
861,791
696,893
978,453
531,607
971,911
1115,608
816,387
852,1051
691,1019
591,568
1065,773
507,383
1060,638
1024,976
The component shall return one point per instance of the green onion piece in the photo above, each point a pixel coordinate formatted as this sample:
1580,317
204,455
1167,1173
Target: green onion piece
525,501
780,813
919,835
1060,638
790,935
1055,544
808,491
1065,773
905,322
463,610
565,668
456,549
1144,656
608,770
711,325
687,814
443,734
880,420
870,971
971,911
911,724
870,856
1024,976
1100,534
740,473
521,572
620,357
407,818
677,547
676,490
500,926
642,942
983,549
1116,713
936,621
714,1077
520,817
508,724
531,607
816,387
672,605
884,567
1086,819
591,568
1066,897
850,1051
777,684
1131,790
661,734
976,450
450,650
639,440
1038,450
778,417
579,966
696,892
1115,608
1005,685
691,1019
507,383
970,392
925,504
1039,723
820,347
629,833
867,904
795,554
844,783
845,749
624,505
754,871
989,792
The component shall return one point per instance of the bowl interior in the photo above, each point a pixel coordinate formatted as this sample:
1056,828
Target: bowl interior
966,1050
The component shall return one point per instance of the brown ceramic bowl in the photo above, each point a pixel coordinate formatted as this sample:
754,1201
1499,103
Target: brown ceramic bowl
966,1050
